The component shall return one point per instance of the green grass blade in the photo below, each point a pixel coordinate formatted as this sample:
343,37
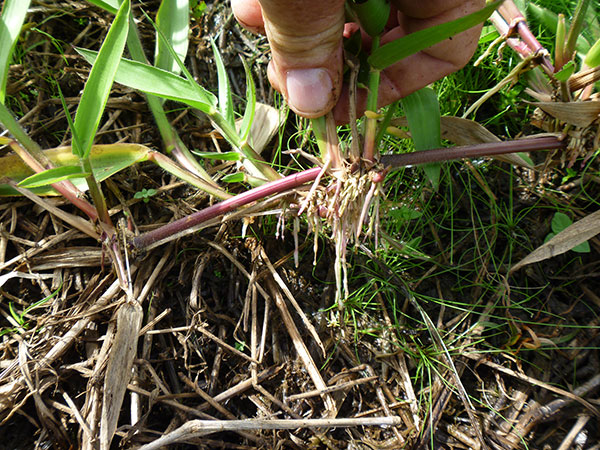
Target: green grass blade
224,156
159,82
391,53
97,88
50,176
422,111
225,99
250,104
11,22
175,56
172,20
76,141
112,6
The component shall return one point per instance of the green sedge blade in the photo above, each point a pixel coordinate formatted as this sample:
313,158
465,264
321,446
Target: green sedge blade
172,20
225,156
98,86
11,22
159,82
422,111
225,99
51,176
391,53
250,110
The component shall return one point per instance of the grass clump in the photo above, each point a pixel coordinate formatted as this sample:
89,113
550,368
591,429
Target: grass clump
430,339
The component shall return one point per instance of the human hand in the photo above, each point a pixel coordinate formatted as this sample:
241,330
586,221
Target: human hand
307,55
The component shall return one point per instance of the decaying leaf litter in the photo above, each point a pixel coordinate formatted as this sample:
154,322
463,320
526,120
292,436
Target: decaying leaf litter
231,330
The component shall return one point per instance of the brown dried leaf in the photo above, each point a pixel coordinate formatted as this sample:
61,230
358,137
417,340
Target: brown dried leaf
573,235
118,370
264,126
465,132
580,114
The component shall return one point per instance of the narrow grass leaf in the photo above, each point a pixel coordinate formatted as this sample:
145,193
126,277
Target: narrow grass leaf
248,119
174,55
225,156
97,88
77,149
11,22
172,20
391,53
112,6
566,240
225,99
106,161
159,82
422,111
51,176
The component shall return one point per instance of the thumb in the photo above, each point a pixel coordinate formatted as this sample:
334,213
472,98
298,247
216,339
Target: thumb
306,45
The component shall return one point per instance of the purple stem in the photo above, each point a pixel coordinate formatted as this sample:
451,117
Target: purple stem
259,193
515,20
173,229
472,151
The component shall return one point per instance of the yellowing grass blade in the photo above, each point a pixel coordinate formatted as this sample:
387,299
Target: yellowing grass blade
106,160
51,176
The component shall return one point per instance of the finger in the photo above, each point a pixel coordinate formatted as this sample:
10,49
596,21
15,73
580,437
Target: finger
427,66
249,14
307,58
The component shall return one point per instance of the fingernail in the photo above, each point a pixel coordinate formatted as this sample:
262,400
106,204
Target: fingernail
309,91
